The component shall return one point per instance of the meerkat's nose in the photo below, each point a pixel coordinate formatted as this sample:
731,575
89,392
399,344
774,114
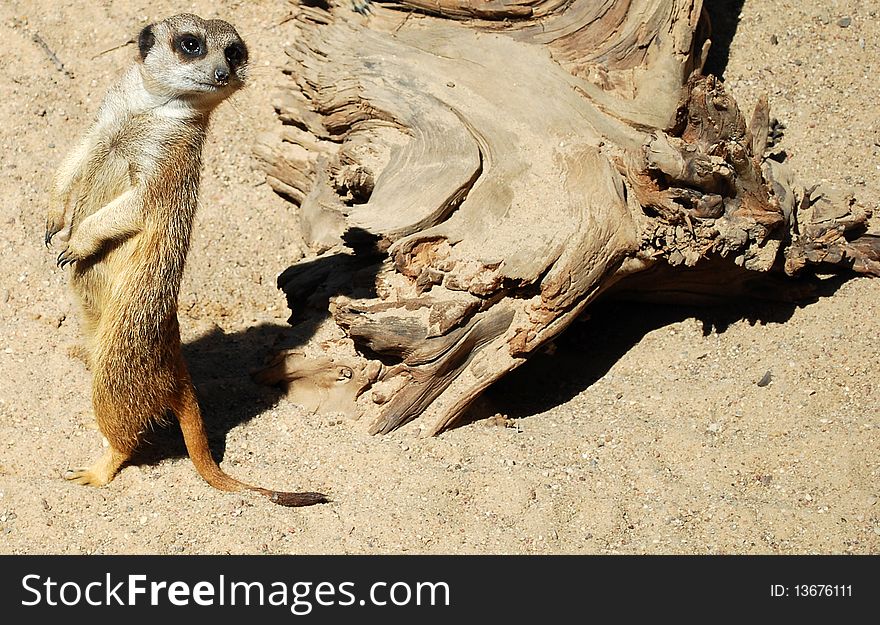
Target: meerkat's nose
221,75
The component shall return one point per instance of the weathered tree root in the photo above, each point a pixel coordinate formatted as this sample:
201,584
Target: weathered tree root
482,183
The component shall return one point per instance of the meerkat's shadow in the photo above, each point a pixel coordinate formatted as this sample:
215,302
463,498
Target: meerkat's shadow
311,283
220,365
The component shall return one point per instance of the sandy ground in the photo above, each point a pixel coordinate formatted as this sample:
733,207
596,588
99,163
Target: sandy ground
645,433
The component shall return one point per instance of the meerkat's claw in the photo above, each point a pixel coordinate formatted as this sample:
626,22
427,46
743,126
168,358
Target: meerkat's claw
51,231
65,258
69,255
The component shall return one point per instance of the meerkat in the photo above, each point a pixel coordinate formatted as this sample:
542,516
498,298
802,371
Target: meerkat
124,202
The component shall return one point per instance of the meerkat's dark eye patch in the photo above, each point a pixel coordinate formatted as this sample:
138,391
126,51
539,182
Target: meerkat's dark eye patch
190,46
145,41
236,54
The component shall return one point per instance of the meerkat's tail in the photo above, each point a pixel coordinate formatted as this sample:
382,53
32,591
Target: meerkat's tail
196,439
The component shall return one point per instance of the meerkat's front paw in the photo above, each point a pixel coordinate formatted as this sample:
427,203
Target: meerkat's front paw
57,224
67,256
78,248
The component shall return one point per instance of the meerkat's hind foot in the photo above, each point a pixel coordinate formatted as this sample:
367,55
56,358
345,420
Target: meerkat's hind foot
85,477
100,473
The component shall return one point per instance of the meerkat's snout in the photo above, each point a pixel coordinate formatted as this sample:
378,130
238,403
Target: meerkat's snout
221,75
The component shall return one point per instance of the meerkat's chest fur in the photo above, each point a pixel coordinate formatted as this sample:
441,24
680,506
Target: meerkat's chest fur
153,147
137,140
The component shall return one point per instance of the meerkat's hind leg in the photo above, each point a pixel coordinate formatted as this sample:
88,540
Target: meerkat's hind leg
102,471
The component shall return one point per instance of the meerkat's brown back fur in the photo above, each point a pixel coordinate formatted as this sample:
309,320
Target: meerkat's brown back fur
125,203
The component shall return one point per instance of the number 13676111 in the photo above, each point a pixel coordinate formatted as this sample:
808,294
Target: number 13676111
823,590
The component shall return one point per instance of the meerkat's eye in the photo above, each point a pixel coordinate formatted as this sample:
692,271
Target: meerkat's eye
190,45
235,54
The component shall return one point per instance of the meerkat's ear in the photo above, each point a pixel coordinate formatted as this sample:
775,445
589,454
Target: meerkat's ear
146,40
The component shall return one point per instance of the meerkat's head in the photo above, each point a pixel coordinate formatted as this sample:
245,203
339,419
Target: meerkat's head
189,58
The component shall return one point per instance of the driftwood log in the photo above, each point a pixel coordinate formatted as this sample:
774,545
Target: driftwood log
471,174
